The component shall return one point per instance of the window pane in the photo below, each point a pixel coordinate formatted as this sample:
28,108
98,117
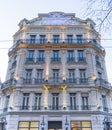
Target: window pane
76,128
86,129
34,128
86,124
75,124
23,129
34,124
23,124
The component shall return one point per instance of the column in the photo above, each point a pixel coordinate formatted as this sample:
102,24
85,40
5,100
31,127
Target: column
31,100
19,67
79,101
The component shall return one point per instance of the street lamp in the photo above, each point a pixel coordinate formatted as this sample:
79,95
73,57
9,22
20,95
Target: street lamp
42,124
66,124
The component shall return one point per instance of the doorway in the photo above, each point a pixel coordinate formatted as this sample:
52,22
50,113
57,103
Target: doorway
54,125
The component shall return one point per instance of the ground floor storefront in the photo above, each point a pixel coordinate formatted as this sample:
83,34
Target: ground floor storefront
28,121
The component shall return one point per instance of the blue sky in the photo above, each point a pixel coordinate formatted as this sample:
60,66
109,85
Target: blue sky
12,11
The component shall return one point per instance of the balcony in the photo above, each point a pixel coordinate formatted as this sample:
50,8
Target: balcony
71,60
85,107
83,80
27,81
73,107
8,83
24,107
40,60
103,83
60,41
56,60
81,60
71,81
29,60
36,107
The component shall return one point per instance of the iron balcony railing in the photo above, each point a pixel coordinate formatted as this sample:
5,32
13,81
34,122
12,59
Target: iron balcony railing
24,107
36,107
30,61
103,83
85,107
56,81
56,60
81,59
73,41
71,60
40,60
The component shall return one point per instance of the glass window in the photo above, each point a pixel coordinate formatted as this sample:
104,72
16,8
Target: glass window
80,55
42,39
79,39
37,101
28,73
25,105
82,73
55,101
29,125
41,53
71,55
72,101
81,125
55,75
56,39
69,39
39,73
32,39
30,56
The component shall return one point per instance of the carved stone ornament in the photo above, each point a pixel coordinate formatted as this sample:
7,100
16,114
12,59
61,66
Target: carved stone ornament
56,18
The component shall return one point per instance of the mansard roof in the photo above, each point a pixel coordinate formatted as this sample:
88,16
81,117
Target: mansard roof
55,18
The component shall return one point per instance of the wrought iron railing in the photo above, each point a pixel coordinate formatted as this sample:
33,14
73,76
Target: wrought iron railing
67,41
103,83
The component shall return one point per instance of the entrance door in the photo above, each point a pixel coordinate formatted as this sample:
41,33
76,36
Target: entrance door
54,125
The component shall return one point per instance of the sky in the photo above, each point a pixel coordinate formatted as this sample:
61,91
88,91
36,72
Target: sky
12,11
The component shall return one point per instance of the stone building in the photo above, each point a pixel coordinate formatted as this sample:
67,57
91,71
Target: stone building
56,77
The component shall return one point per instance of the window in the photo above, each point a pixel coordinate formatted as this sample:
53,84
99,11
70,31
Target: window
39,76
55,39
25,105
69,39
42,39
81,56
71,55
41,55
99,75
55,75
82,76
97,61
28,76
55,101
37,102
28,125
30,56
79,39
85,103
104,103
81,125
6,103
71,78
73,101
55,57
32,39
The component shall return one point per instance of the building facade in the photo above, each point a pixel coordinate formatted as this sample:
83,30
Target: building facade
56,77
